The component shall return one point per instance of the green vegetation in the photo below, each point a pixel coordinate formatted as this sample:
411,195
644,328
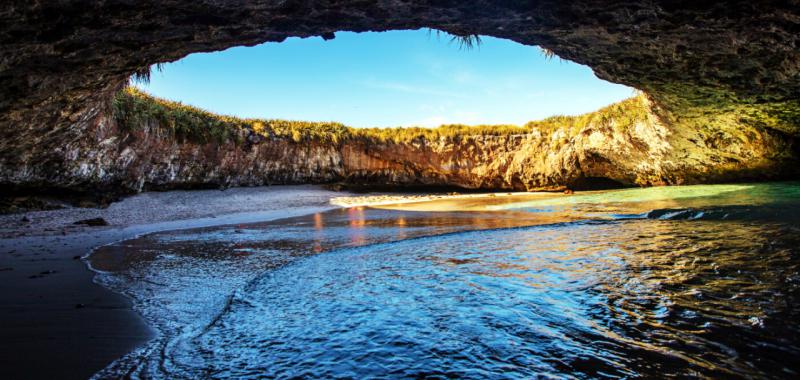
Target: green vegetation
621,116
134,110
448,132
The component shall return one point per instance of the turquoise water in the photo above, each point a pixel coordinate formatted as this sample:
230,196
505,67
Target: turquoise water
698,281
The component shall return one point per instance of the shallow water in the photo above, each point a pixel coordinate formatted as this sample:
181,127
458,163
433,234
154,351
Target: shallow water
688,282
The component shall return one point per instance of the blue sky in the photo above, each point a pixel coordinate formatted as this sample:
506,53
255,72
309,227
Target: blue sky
399,78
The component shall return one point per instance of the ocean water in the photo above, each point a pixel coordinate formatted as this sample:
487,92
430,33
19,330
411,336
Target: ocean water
700,281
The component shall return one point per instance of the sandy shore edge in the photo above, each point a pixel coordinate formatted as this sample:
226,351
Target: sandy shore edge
55,322
158,207
380,200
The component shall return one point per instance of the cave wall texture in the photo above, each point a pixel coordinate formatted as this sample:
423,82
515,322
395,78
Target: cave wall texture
149,144
707,67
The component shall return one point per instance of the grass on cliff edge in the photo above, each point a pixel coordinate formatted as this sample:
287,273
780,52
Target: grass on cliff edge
135,110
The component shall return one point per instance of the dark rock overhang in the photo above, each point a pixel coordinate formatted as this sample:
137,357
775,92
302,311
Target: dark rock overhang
58,59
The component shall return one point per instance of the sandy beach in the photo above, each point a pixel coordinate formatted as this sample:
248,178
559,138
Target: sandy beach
439,202
50,304
51,307
158,207
56,322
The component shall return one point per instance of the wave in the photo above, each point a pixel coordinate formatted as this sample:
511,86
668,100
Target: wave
210,301
591,297
766,213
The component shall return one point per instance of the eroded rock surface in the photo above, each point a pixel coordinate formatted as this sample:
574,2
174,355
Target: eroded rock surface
724,78
606,148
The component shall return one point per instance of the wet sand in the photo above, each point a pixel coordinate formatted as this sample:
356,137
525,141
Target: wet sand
439,202
54,321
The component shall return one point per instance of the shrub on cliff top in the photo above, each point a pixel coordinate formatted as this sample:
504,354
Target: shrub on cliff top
134,109
620,116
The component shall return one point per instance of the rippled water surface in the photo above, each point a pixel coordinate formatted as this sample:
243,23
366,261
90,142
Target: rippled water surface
699,281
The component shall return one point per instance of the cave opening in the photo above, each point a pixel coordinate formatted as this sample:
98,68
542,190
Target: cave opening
419,78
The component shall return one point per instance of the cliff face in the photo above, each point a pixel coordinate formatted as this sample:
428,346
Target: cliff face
600,154
723,79
627,144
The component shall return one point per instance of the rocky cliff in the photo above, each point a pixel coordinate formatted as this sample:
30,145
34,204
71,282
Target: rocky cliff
147,143
722,81
60,60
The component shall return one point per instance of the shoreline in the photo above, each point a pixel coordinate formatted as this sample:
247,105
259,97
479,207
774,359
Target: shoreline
160,207
440,202
54,304
51,304
382,200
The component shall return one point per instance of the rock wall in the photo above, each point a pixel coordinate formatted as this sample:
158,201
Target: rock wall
60,60
650,150
724,79
111,157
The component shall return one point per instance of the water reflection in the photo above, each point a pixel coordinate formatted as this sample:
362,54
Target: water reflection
298,236
524,302
575,291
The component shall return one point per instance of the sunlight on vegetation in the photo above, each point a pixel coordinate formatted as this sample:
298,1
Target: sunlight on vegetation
134,109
